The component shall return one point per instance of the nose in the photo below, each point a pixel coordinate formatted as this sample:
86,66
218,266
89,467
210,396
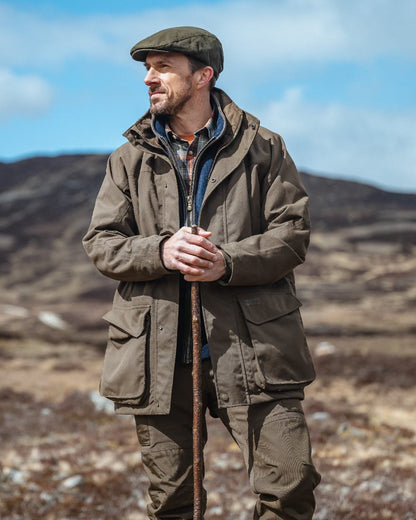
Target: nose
151,77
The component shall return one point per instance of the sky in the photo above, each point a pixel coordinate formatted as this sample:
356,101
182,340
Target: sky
336,79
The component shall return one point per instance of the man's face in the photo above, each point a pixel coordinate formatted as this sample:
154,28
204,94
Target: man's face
170,82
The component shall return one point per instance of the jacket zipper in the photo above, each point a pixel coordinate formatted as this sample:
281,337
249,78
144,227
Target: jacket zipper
192,189
189,195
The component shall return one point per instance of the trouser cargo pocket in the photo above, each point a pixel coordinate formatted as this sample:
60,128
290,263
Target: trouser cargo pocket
124,374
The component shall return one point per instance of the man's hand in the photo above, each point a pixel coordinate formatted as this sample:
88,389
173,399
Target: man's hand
195,256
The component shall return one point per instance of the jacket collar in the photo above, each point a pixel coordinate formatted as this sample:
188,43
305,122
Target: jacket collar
142,134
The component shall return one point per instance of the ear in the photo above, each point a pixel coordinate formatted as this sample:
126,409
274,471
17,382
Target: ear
203,76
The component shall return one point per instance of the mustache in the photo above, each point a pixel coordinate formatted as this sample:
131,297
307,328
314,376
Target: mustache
156,89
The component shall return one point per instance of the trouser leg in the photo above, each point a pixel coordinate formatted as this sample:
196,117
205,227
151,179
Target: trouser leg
274,439
167,457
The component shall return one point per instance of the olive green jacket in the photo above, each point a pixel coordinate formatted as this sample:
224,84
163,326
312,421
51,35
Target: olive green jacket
257,211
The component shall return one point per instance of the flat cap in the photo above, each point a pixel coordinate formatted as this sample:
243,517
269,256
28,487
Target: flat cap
192,41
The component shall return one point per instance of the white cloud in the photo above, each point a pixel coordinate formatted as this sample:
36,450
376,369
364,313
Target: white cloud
252,31
375,146
28,95
259,38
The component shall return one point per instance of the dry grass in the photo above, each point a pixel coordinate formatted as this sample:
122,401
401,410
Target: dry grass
361,415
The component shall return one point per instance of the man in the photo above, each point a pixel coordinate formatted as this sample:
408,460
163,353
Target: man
196,158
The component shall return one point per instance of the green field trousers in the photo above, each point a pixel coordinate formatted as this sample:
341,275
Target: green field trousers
273,438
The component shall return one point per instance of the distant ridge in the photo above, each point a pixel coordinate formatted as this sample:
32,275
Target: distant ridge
46,205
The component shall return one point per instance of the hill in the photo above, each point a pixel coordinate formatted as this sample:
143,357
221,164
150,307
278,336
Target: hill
361,255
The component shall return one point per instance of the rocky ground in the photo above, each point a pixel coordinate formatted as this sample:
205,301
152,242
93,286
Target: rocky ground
64,455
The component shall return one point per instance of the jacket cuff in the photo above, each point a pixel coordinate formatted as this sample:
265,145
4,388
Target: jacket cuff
228,268
160,254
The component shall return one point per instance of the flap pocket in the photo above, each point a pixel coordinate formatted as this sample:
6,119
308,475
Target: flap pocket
264,308
275,332
130,319
125,367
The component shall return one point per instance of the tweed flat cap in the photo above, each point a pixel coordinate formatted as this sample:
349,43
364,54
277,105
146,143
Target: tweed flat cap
192,41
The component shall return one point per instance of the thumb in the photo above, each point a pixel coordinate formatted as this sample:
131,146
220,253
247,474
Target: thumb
203,232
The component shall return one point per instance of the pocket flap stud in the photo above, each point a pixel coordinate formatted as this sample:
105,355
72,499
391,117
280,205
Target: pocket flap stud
130,320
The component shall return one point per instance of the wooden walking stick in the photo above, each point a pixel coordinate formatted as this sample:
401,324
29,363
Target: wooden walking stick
197,396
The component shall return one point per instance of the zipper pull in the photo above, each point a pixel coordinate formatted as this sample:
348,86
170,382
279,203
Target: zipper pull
189,199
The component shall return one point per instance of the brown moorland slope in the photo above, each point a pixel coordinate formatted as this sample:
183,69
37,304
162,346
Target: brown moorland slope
361,264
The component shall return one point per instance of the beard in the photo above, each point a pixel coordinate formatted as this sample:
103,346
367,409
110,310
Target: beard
172,104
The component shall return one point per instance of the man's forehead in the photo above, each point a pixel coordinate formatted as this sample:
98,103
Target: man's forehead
156,56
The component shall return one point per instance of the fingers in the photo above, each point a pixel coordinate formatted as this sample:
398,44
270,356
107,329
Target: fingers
211,274
201,231
189,253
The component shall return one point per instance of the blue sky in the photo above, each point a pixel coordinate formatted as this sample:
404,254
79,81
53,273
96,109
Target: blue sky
336,79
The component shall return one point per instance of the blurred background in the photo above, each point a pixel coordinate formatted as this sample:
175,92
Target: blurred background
337,80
